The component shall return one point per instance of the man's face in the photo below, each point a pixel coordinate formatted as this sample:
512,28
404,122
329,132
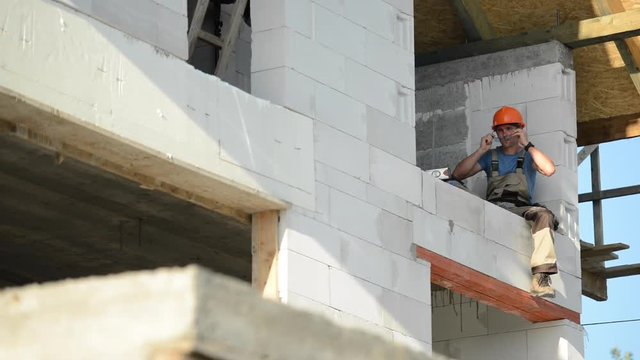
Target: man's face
505,133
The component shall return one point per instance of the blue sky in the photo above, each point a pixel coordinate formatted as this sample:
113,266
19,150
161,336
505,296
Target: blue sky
619,166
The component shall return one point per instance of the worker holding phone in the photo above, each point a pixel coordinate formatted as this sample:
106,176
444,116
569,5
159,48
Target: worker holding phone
511,177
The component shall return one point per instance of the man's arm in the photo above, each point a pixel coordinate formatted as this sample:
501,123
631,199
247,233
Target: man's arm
541,162
469,166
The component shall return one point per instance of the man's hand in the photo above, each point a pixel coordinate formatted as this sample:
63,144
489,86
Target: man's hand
522,136
485,142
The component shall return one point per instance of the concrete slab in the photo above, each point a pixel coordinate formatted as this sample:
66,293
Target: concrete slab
171,313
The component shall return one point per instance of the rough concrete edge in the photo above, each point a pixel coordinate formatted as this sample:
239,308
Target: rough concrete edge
498,63
253,328
48,111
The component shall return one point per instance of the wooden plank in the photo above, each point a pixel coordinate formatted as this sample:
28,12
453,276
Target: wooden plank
602,130
595,261
210,38
608,194
483,288
264,251
196,24
230,37
585,152
594,285
474,20
602,250
623,270
573,34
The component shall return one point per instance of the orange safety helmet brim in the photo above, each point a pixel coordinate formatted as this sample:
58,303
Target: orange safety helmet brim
507,115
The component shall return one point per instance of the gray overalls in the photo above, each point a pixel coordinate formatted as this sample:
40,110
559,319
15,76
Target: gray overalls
511,192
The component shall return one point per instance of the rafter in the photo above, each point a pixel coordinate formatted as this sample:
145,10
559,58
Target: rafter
474,20
629,49
602,130
572,34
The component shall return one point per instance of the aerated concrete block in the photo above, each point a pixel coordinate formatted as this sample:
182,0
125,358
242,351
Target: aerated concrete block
341,111
339,180
275,148
389,59
463,208
271,14
507,229
411,278
336,32
308,277
554,114
388,201
379,18
396,176
522,86
396,234
406,315
341,151
354,216
491,347
356,296
371,88
391,135
473,250
432,232
312,238
359,255
562,342
429,192
562,185
285,87
317,62
568,253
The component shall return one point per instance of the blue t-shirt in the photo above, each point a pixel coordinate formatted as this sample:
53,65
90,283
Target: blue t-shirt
507,164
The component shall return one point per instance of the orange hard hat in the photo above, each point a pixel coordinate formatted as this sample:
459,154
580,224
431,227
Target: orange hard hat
507,115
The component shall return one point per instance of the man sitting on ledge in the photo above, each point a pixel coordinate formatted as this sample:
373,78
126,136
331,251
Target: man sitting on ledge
511,178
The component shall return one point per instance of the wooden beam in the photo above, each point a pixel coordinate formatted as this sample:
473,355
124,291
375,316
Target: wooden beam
623,270
594,285
264,252
608,194
602,130
487,290
196,24
210,38
629,49
598,226
572,34
602,250
474,20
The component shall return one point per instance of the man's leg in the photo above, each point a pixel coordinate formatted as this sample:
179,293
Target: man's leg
543,258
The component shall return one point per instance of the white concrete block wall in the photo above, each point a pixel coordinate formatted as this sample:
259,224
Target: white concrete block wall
160,23
113,83
352,73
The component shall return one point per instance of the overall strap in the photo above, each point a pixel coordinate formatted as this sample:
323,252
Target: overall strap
494,163
520,164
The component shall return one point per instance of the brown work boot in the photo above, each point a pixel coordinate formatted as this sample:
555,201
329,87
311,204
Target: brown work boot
541,286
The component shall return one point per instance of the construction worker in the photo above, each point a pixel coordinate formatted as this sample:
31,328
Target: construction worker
511,176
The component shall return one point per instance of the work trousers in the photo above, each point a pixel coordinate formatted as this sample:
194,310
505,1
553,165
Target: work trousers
542,221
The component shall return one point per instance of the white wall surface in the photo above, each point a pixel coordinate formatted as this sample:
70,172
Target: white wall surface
162,23
116,85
